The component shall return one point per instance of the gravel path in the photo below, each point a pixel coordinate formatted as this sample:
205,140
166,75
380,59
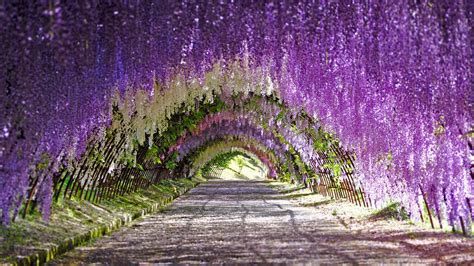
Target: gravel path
244,222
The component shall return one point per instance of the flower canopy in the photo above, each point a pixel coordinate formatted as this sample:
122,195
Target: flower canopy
102,83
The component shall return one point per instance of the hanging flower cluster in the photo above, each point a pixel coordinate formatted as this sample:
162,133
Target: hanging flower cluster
387,79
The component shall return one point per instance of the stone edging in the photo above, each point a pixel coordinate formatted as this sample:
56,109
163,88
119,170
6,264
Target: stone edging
49,254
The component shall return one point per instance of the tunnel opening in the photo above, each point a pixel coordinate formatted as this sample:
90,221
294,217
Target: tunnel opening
234,165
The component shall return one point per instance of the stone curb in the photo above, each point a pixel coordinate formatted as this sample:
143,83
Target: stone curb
49,254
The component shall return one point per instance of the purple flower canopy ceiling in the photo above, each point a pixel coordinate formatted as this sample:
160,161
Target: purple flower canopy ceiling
393,80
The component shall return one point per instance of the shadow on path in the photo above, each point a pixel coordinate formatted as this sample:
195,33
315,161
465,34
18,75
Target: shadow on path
244,222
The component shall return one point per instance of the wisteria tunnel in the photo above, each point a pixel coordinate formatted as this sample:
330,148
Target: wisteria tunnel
113,108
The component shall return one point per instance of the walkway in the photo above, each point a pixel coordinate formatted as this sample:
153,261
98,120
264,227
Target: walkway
238,221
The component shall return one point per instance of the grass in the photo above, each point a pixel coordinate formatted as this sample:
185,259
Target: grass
317,203
295,196
285,187
10,236
392,211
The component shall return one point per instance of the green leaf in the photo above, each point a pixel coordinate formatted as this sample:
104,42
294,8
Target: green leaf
280,116
336,170
157,160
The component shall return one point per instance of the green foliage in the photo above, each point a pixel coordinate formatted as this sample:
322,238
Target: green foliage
128,159
100,158
286,177
293,155
334,167
139,167
198,174
44,162
321,141
294,128
280,115
153,154
222,161
240,162
157,160
172,163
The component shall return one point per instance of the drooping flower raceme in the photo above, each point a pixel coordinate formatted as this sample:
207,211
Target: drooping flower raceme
390,80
